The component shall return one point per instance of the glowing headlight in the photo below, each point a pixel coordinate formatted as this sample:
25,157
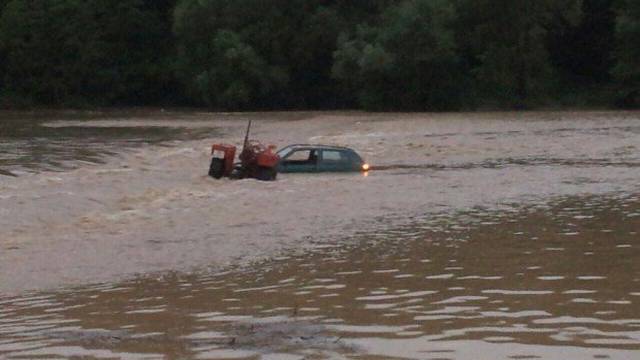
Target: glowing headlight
365,167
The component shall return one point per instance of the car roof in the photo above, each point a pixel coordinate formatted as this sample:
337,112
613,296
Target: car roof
317,146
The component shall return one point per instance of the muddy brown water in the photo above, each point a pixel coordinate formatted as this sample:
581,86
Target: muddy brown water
485,236
27,147
559,280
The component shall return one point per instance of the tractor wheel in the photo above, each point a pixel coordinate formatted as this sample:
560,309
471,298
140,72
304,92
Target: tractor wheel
266,174
216,169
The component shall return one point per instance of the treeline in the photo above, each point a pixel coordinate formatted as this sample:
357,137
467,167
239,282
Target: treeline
324,54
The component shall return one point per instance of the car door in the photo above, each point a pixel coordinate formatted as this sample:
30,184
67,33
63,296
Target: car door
299,160
333,161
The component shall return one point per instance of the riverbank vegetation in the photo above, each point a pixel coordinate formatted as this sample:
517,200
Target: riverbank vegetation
412,55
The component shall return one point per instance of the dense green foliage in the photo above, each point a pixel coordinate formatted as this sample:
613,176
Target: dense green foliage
79,52
507,40
406,61
627,69
285,54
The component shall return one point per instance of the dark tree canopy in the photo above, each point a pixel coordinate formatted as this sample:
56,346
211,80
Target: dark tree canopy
627,69
75,52
408,61
327,54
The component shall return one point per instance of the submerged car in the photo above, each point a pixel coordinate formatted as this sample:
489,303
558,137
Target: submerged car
319,158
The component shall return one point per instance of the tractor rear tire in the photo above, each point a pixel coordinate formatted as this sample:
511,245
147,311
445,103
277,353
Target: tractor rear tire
266,174
216,169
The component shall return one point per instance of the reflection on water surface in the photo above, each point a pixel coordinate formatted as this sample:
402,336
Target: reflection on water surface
28,144
559,281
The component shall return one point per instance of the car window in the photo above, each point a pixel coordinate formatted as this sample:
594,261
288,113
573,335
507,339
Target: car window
304,156
332,156
300,155
284,152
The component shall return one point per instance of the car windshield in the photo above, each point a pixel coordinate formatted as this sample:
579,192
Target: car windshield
284,152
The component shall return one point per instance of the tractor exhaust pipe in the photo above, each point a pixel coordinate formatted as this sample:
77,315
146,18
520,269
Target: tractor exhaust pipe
246,136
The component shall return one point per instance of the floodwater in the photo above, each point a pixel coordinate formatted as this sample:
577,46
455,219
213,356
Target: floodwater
482,236
26,146
559,281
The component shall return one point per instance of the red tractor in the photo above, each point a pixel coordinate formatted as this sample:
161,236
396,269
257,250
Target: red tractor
257,161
